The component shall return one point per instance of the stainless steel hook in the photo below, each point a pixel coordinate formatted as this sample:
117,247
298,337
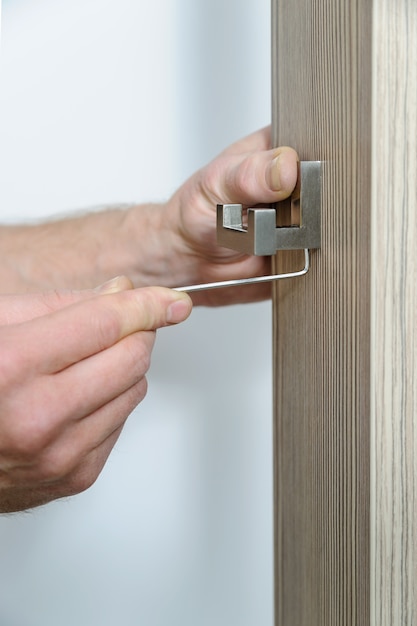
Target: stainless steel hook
262,236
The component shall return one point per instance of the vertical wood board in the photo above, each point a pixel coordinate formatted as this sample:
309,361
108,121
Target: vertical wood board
322,61
394,316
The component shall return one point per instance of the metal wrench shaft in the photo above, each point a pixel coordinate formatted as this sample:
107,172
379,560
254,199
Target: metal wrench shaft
248,281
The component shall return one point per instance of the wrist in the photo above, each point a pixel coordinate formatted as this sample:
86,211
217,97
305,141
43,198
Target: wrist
157,250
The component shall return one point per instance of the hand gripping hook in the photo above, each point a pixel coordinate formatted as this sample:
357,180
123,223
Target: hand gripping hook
262,236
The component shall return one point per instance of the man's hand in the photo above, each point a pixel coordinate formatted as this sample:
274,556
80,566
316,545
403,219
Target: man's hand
247,173
172,244
72,368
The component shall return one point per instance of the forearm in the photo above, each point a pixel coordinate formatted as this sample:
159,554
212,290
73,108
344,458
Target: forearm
170,244
85,250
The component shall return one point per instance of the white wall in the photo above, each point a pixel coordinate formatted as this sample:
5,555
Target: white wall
104,101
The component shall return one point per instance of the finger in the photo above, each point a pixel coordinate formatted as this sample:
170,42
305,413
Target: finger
99,379
58,483
72,463
90,440
15,309
69,335
86,474
77,458
262,177
54,450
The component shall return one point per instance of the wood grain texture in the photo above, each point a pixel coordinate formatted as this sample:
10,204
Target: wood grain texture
394,317
322,63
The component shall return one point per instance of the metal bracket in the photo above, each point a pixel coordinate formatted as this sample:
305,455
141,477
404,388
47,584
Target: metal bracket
262,236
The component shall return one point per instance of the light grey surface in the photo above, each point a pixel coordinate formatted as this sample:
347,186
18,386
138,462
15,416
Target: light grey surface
104,102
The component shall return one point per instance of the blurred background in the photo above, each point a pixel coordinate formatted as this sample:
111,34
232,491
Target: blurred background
104,102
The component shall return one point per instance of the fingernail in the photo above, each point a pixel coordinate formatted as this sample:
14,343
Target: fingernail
179,310
275,174
119,283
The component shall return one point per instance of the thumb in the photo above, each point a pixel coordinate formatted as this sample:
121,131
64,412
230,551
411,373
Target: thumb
150,308
85,328
24,307
260,177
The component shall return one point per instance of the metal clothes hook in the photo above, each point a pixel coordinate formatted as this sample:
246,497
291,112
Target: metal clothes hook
263,237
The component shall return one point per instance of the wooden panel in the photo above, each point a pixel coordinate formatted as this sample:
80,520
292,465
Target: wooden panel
394,317
322,106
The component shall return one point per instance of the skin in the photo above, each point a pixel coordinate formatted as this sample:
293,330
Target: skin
74,363
170,244
67,394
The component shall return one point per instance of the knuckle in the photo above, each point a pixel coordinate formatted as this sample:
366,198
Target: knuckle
24,444
28,430
244,175
25,425
139,391
51,300
143,362
152,303
131,398
83,480
83,477
51,471
107,327
208,180
57,465
24,438
138,348
12,366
